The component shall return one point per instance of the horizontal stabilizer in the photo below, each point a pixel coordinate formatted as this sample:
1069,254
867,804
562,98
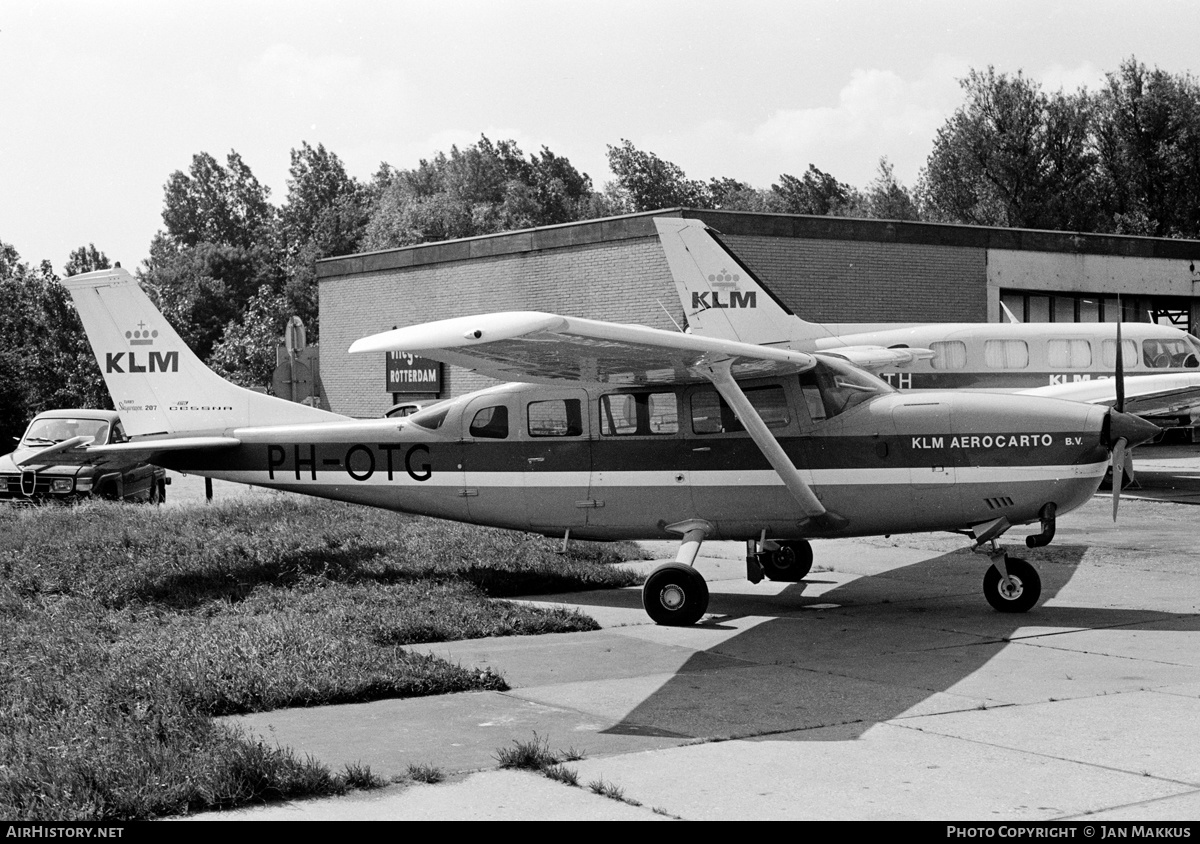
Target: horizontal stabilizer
146,448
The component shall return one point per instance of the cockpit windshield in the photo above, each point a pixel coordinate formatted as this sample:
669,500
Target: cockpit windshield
833,386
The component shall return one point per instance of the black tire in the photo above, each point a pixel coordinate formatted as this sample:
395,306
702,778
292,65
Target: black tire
791,563
158,491
675,595
1022,592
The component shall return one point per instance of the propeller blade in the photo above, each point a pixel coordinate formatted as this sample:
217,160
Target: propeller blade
1120,406
1118,473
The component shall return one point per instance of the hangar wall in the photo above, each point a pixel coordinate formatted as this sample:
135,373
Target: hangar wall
826,269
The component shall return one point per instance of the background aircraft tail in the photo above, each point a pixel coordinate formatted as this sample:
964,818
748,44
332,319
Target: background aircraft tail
157,383
721,296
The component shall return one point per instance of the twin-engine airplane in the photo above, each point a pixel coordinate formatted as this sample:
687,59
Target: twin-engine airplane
721,297
628,432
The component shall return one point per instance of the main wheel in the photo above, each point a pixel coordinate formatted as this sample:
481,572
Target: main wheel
790,563
1019,593
675,595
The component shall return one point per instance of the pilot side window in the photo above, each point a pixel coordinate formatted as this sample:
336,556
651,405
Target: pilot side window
555,418
710,414
948,354
832,387
490,423
638,414
1068,354
1161,354
1006,354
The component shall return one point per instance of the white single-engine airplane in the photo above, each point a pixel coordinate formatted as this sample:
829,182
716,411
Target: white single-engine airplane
721,297
629,432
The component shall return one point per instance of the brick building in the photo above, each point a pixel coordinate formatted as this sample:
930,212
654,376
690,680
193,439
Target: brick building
827,269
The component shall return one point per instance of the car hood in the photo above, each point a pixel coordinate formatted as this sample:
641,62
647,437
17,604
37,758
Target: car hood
53,464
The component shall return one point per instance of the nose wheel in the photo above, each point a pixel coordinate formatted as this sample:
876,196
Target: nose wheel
1017,590
675,595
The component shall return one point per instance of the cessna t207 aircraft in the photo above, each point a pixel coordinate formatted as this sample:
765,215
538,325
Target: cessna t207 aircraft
722,298
615,431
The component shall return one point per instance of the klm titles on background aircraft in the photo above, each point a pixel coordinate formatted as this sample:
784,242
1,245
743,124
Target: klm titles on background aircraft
156,362
734,298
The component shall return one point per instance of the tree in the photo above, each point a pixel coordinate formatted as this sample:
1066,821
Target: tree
646,182
215,204
86,259
1148,143
816,192
1014,156
487,187
246,351
887,199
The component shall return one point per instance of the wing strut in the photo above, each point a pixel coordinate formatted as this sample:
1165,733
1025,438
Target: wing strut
719,374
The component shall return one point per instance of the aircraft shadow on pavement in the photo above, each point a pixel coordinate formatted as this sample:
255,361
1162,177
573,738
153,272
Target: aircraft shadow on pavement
902,642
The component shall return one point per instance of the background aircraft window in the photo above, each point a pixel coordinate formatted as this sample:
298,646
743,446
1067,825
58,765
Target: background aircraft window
643,414
491,423
1068,353
948,354
710,414
1108,353
1005,354
555,418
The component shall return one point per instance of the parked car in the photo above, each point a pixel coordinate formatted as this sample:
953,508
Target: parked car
71,474
408,408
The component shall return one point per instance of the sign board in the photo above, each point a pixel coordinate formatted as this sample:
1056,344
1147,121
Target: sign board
413,374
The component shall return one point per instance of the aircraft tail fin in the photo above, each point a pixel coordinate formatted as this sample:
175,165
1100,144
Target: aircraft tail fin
720,295
157,383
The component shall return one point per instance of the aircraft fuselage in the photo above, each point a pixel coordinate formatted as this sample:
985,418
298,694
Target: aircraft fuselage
614,463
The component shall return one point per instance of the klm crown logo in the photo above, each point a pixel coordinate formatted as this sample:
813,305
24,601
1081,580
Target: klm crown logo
157,361
141,337
727,283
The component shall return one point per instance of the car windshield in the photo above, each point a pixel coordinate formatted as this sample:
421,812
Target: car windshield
50,431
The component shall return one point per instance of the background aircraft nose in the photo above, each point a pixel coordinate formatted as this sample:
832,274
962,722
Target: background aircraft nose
1133,429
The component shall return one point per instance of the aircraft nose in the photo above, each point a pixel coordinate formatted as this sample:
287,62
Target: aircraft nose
1132,429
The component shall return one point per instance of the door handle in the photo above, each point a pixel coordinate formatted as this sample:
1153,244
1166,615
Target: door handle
537,459
703,448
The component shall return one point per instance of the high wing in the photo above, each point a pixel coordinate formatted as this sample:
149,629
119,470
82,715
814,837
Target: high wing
548,348
1148,396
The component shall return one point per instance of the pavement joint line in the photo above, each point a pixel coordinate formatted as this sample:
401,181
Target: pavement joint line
1096,765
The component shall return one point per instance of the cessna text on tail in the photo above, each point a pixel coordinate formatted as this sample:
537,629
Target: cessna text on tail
1045,358
623,431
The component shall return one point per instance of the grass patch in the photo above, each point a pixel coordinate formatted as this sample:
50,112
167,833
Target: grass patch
127,629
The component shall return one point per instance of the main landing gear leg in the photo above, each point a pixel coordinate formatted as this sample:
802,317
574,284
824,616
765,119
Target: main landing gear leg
1010,584
785,561
675,594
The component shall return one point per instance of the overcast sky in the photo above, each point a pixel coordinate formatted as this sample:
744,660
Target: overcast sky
101,101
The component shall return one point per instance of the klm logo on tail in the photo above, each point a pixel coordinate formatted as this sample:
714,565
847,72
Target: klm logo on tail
155,362
726,283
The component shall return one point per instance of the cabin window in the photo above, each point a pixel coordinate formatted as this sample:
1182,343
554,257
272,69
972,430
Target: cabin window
948,354
490,423
1108,353
1005,354
1068,354
1160,354
555,418
638,414
710,414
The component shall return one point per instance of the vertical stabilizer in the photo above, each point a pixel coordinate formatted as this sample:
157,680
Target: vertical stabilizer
157,383
720,295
